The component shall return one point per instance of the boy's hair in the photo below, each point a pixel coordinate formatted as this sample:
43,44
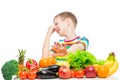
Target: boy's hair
65,15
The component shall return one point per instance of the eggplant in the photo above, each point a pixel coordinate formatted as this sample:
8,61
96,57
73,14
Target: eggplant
46,74
53,68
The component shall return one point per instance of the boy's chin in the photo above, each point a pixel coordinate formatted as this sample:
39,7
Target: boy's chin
60,34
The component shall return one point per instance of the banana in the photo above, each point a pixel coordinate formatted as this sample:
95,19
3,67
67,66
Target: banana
113,68
108,64
111,63
110,60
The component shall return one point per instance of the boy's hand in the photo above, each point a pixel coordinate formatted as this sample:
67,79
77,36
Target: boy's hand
60,49
51,29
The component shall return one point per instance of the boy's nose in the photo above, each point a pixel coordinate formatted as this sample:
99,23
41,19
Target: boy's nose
57,28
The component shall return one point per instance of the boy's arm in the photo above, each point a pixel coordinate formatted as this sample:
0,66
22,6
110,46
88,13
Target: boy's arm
62,51
75,47
46,45
82,45
45,49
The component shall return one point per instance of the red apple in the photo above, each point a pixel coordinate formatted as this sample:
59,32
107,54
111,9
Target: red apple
90,72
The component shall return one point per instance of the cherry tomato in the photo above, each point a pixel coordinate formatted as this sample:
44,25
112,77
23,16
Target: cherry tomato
32,74
23,74
79,73
31,63
73,73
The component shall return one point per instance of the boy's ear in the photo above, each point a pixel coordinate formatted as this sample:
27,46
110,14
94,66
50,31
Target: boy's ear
68,22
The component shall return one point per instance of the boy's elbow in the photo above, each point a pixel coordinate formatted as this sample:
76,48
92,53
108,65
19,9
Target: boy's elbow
81,47
76,47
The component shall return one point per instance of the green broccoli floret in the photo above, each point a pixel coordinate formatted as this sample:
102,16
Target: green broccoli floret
9,69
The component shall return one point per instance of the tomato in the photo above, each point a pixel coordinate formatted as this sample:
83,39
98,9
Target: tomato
79,73
32,74
23,74
73,73
44,62
31,63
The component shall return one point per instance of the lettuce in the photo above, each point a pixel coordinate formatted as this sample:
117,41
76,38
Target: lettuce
80,59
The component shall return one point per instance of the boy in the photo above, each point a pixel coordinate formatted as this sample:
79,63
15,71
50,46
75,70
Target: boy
64,24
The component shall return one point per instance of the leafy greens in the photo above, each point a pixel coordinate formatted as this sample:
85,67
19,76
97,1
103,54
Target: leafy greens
80,59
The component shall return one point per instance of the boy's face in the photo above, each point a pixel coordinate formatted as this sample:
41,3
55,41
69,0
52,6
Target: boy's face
60,26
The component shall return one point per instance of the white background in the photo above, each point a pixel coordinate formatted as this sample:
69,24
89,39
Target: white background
24,24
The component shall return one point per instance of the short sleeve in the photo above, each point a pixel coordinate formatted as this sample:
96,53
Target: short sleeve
85,41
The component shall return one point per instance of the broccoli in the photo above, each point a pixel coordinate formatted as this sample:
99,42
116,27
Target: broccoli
9,69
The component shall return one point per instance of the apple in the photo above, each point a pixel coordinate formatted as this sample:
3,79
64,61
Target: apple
90,72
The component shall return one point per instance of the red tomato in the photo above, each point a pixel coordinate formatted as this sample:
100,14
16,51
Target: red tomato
23,74
32,74
79,73
73,73
31,63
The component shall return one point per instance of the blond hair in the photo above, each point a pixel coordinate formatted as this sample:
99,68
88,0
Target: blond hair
65,15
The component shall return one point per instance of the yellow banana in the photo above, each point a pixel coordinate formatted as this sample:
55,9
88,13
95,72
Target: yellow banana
109,63
110,60
113,68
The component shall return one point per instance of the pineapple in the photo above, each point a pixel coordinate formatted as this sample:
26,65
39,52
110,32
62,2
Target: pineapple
21,58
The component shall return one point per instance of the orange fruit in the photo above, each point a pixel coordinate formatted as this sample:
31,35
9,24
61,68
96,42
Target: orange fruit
52,60
102,71
44,62
47,61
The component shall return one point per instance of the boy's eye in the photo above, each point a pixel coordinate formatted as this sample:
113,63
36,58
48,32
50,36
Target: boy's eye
56,24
